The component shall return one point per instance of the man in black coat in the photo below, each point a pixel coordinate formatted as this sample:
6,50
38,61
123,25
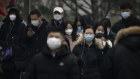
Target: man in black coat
127,18
12,35
123,60
54,61
57,21
36,33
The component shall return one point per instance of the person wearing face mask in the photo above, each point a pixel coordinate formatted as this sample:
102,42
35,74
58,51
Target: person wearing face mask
12,35
7,10
126,10
107,24
102,40
87,54
78,25
54,61
70,34
57,21
99,28
36,33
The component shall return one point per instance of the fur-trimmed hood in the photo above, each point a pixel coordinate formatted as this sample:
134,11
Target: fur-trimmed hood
133,30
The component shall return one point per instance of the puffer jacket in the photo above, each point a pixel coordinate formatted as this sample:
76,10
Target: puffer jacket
46,66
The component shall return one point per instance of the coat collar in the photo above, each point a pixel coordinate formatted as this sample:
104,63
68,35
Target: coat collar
62,52
133,30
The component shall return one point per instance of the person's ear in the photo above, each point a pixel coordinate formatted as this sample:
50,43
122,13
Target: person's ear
40,18
121,10
62,14
131,12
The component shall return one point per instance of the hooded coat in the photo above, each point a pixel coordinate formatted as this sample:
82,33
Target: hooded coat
12,34
123,60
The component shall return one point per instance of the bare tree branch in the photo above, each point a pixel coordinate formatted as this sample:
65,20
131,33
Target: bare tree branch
87,2
71,7
108,8
83,9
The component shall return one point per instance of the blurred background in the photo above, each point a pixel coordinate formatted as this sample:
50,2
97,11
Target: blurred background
97,9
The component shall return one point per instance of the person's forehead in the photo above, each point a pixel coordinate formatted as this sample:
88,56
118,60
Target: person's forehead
56,12
34,16
89,30
69,25
126,9
78,23
55,33
100,27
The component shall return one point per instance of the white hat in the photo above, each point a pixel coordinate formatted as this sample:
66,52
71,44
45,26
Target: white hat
59,9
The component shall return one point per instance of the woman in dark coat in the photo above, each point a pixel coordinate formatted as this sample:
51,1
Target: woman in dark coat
88,54
12,35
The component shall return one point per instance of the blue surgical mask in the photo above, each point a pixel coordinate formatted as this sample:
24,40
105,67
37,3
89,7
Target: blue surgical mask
79,28
125,14
88,37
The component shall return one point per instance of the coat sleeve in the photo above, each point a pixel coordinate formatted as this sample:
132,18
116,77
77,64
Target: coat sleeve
107,72
74,72
30,72
75,51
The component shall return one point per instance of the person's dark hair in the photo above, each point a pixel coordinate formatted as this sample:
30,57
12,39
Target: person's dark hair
35,11
86,20
106,22
88,27
126,5
75,23
55,29
16,12
10,6
67,41
74,31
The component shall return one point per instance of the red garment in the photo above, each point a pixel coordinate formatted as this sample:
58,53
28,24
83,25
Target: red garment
2,7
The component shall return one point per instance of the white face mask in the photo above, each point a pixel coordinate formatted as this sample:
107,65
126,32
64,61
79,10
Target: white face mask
125,14
99,32
68,31
35,22
12,17
57,16
54,43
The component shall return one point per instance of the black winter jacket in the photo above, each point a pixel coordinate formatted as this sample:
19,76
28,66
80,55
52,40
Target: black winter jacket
38,40
59,25
124,23
88,61
13,35
123,60
46,66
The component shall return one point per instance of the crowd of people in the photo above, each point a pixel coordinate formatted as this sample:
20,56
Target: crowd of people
36,49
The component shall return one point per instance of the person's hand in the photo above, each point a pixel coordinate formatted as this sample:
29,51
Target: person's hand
30,33
109,43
